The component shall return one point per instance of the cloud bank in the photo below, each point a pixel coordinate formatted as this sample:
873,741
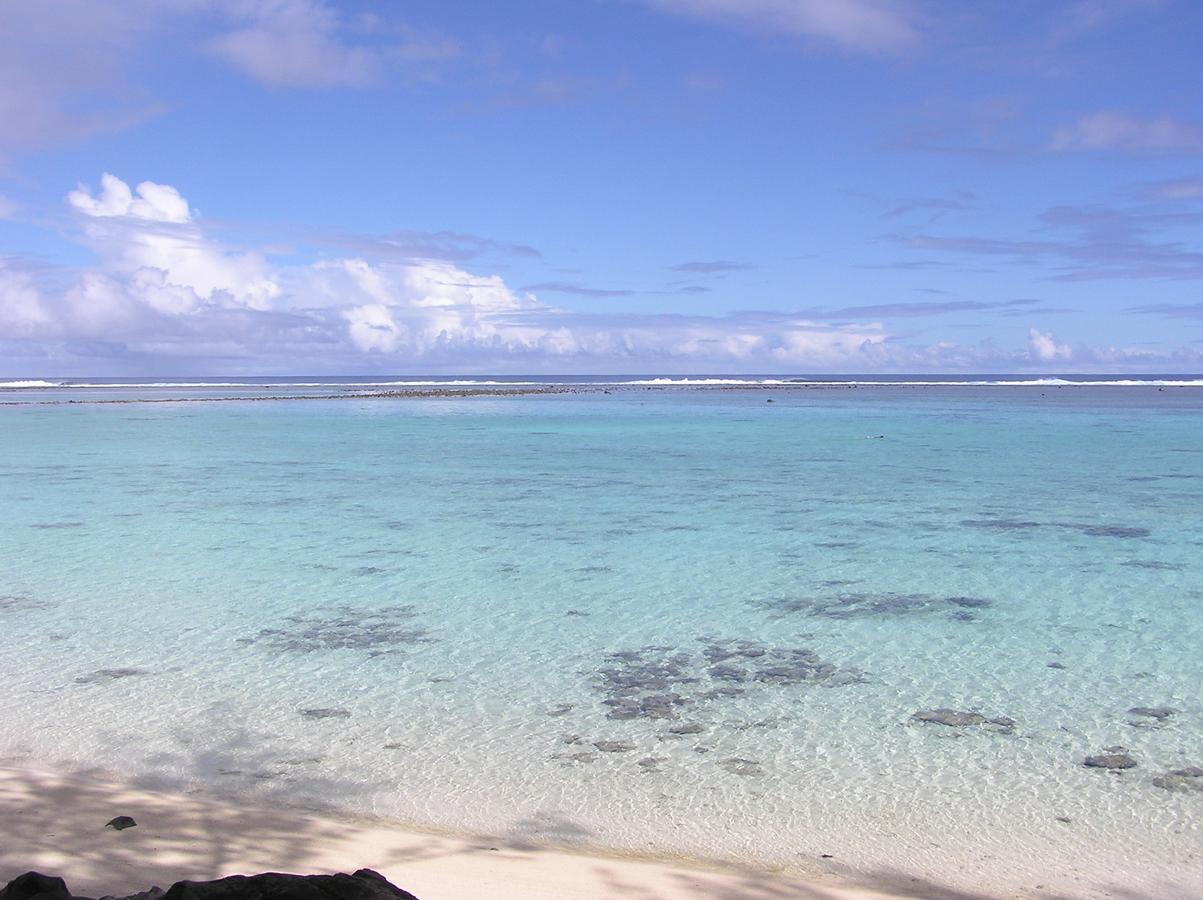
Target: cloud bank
164,295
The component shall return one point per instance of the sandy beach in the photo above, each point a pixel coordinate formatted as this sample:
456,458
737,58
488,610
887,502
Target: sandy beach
54,823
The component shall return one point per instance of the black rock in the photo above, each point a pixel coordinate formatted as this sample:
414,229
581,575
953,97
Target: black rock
35,886
363,885
1110,761
120,823
155,893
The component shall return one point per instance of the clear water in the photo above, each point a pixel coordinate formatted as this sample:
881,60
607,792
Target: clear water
473,592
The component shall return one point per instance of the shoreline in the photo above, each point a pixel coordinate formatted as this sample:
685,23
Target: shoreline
54,823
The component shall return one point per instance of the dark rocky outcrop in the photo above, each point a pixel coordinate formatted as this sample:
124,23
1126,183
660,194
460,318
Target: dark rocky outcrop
1109,761
35,886
363,885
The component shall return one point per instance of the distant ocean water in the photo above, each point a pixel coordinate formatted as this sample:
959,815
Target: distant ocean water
678,620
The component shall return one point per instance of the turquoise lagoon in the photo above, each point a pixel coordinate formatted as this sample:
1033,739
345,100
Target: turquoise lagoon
669,620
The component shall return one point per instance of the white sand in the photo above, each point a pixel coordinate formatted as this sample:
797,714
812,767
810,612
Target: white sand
54,823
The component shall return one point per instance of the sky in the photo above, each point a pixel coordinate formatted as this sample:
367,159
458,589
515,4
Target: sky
257,187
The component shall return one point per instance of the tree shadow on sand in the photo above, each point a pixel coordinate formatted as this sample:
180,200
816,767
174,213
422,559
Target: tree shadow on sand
55,823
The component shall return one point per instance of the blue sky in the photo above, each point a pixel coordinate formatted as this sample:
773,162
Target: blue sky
560,186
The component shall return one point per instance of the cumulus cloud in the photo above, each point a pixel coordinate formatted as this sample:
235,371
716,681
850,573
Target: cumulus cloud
1113,130
147,236
1043,347
154,202
872,26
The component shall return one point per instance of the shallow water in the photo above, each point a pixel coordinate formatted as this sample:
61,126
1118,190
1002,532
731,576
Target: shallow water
434,609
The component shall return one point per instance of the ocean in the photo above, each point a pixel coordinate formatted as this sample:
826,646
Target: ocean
653,615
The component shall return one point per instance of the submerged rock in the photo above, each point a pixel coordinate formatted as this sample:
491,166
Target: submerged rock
346,628
994,524
614,746
1112,761
956,718
1181,780
1116,531
747,768
727,673
330,712
969,602
102,675
583,757
1160,713
120,823
14,603
953,718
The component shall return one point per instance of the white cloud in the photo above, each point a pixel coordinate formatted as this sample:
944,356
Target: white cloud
22,312
7,207
295,43
372,327
163,289
1042,347
154,202
309,44
1121,132
867,25
147,235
